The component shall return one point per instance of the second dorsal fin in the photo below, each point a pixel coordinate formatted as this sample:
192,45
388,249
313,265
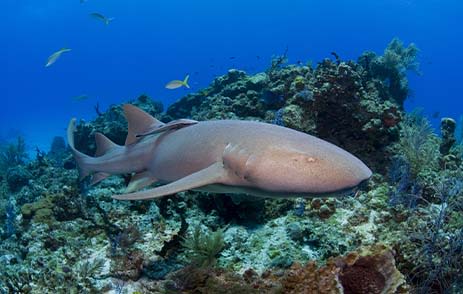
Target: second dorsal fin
103,144
139,122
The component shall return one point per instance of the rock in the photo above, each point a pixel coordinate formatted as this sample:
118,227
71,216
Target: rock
257,82
324,212
447,129
295,232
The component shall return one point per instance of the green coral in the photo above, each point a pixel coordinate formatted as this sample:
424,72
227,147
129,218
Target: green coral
40,211
203,248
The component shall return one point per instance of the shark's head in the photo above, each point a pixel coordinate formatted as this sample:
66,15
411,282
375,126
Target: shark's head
306,170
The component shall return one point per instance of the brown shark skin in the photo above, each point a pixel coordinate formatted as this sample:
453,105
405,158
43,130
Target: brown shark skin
258,155
251,157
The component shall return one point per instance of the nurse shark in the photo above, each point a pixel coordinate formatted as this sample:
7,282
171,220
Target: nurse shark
222,156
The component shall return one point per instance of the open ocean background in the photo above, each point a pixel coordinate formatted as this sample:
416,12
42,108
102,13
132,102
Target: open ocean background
151,42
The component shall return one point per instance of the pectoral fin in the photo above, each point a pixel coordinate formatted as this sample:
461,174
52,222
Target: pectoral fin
215,173
140,181
98,177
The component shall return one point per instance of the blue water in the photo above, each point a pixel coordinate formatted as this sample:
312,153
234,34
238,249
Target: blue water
154,41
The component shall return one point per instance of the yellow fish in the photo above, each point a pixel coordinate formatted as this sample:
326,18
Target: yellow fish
101,17
175,84
52,58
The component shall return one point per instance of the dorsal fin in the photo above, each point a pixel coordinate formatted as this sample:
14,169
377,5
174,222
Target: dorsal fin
139,122
103,144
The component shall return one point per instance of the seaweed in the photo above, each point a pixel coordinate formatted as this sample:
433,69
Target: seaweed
440,243
406,191
418,144
52,276
203,248
13,154
277,63
89,269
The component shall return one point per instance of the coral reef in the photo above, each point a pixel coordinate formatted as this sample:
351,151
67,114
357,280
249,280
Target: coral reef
400,233
369,270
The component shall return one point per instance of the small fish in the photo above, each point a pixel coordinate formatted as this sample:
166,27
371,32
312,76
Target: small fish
101,17
80,97
52,58
83,1
436,114
232,57
175,84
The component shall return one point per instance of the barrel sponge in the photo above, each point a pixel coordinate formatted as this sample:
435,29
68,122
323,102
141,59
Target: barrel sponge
371,270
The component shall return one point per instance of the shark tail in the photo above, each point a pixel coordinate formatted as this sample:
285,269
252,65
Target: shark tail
86,164
81,158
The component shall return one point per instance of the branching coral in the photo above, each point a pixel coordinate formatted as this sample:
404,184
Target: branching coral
400,57
392,67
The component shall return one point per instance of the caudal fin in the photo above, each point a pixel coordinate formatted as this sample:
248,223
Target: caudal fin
185,81
81,158
108,20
